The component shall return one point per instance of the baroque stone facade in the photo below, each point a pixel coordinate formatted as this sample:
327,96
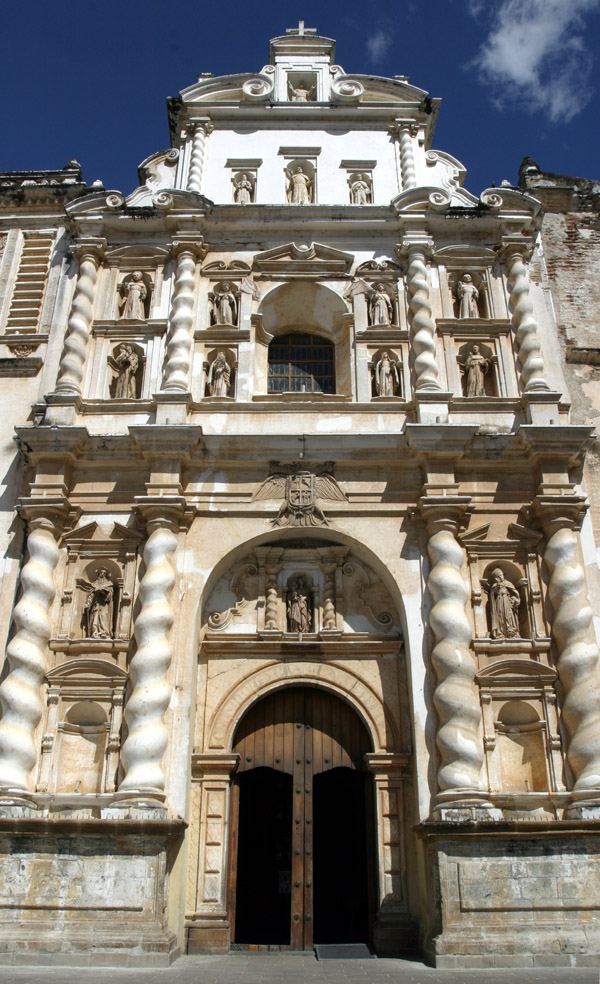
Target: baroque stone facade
299,570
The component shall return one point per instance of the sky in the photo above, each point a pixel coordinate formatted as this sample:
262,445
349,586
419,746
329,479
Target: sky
88,80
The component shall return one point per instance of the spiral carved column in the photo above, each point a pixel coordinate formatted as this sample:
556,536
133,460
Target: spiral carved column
455,697
573,634
272,598
329,613
21,691
406,131
201,131
146,741
423,325
529,350
179,346
70,374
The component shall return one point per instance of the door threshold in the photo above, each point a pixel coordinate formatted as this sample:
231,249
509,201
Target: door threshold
343,951
269,948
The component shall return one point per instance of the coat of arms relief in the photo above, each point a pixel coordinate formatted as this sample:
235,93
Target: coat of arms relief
301,491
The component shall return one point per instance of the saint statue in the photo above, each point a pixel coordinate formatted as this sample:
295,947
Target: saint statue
99,605
126,364
360,191
134,291
504,606
219,376
300,188
298,611
301,93
467,297
386,376
475,367
224,306
380,306
243,190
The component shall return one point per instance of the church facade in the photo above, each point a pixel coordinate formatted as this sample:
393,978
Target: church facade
299,571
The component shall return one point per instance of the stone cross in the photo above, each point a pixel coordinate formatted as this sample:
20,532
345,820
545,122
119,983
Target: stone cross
301,30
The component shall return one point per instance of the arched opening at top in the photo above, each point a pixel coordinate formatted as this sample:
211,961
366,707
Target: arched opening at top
301,364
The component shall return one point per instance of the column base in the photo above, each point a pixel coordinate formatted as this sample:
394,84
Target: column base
139,799
208,933
432,406
172,407
465,804
584,805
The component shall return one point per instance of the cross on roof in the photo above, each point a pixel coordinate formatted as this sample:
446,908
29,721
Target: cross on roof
301,30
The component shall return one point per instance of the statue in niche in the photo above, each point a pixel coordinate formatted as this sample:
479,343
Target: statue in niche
380,306
386,376
475,367
298,610
224,306
243,190
126,364
98,611
360,191
468,297
300,188
219,376
301,93
134,290
505,601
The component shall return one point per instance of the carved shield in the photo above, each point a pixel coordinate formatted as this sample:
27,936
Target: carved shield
300,492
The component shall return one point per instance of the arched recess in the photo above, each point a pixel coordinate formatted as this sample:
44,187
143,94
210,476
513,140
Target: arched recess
304,308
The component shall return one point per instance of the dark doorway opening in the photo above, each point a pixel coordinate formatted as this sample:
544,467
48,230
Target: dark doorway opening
264,866
341,894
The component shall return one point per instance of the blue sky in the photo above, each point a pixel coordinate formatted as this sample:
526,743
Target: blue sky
89,80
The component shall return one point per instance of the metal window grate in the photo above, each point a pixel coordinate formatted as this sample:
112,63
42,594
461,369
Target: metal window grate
301,364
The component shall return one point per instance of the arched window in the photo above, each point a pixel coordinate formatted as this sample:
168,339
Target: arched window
301,364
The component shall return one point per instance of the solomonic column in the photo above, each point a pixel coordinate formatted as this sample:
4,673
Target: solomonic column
179,345
529,350
200,133
407,130
22,688
456,698
70,374
422,324
144,747
573,633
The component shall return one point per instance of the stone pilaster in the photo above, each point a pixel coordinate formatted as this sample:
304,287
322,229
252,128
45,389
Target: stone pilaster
21,690
455,697
560,516
200,132
70,374
144,747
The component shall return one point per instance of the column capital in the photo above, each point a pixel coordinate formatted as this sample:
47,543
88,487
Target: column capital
416,243
163,512
445,512
388,765
190,243
410,126
214,765
515,244
93,246
47,512
559,510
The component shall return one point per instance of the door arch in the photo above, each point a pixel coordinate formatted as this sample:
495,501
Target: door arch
301,849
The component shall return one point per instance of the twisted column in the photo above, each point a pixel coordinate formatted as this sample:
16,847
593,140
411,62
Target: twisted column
329,621
179,346
423,325
146,741
406,130
21,691
271,598
201,131
70,373
456,698
529,351
573,634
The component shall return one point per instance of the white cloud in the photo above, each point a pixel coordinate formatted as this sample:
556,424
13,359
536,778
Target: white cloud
536,53
378,45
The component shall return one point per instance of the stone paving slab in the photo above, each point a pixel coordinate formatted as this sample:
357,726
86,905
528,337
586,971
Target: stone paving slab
287,968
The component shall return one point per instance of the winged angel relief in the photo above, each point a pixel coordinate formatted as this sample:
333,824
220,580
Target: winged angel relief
300,492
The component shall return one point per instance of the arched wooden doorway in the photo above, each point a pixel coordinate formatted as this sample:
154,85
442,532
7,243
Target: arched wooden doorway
301,868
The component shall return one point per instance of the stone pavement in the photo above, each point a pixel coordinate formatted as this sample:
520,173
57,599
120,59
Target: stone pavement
286,968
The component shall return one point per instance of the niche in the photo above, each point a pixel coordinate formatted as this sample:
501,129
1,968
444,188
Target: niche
127,363
221,370
469,295
135,293
478,366
82,737
506,609
520,737
299,604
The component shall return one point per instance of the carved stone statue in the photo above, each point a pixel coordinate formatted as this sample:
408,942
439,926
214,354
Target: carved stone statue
243,190
126,363
468,297
219,376
300,188
99,606
301,93
386,376
475,367
298,610
224,306
134,291
360,191
380,306
504,606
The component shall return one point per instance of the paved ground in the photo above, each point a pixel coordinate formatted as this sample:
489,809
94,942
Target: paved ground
285,968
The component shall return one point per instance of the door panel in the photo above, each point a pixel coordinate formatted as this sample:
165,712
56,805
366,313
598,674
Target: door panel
309,743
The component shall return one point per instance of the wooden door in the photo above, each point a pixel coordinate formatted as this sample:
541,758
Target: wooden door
302,732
